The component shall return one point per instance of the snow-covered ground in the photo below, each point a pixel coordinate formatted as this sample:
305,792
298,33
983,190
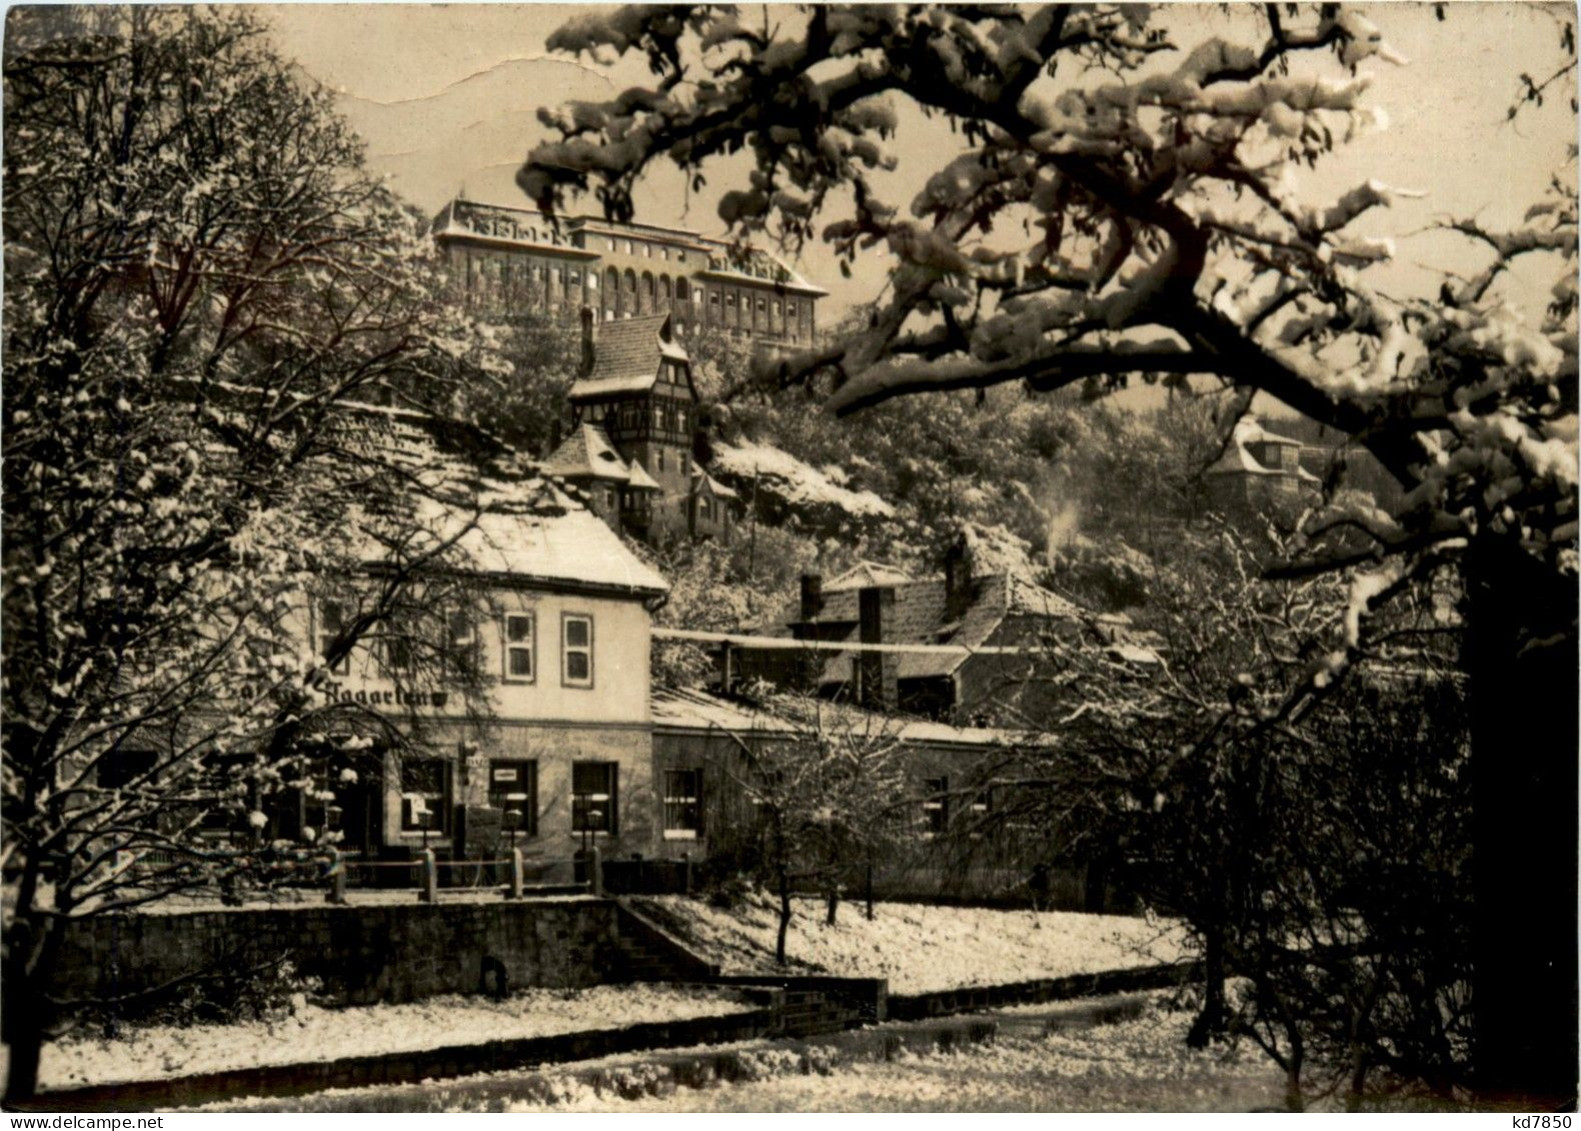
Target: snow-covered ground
1137,1065
921,948
1141,1065
312,1033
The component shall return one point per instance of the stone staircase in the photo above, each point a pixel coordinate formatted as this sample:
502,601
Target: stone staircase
644,952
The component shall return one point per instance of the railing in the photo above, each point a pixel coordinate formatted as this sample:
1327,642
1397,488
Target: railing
334,870
428,865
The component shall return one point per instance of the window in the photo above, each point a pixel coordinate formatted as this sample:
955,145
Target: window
595,801
513,790
519,665
576,650
461,644
683,804
332,619
936,806
396,654
120,767
686,464
609,496
425,795
660,458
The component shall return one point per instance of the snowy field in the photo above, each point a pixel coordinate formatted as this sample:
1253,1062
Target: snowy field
920,948
311,1033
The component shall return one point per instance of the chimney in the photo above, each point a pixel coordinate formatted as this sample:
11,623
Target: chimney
877,685
957,579
588,353
811,595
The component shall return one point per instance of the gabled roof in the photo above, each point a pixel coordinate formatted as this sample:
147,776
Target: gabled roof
1237,460
640,479
918,615
866,574
626,356
701,480
587,454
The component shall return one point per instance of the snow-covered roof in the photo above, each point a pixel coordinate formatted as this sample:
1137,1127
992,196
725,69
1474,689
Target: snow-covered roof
919,614
640,480
588,454
626,356
573,547
736,264
701,480
1238,459
507,522
866,575
686,709
798,483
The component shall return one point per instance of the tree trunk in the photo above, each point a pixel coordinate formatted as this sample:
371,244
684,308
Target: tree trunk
1210,1023
869,890
834,904
785,915
1522,662
28,955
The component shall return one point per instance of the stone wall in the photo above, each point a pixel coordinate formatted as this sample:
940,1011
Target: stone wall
362,954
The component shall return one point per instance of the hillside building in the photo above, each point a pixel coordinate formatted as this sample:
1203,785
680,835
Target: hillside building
505,259
878,604
634,423
1259,469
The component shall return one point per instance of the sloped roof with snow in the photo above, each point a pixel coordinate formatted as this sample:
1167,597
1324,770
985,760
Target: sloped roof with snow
626,356
640,480
508,522
701,480
918,615
588,454
789,715
1238,460
866,574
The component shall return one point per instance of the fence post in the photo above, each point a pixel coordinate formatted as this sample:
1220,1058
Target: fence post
595,871
337,877
429,891
518,874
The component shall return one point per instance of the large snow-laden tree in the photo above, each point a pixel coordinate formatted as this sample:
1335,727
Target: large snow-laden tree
1124,205
199,278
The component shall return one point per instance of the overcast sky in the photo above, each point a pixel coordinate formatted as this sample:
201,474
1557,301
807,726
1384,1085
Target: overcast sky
447,95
